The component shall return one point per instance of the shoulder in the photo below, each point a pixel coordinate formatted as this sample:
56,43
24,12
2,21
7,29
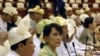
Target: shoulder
84,32
43,52
9,54
12,53
3,51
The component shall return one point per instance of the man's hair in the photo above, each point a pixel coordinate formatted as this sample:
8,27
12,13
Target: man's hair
15,46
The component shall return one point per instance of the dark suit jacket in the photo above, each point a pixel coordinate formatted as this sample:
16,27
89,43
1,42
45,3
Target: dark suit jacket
33,3
10,25
58,7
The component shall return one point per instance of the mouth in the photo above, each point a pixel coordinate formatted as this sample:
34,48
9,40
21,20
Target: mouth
58,42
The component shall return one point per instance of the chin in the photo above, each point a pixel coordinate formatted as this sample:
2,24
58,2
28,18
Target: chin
57,45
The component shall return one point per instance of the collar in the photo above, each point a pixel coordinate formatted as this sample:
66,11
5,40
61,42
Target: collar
49,50
14,53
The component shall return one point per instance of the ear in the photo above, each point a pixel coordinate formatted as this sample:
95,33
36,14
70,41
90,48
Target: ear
21,46
46,39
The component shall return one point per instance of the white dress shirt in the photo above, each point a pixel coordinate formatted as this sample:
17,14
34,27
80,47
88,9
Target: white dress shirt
4,49
32,23
79,31
3,26
62,51
37,43
12,53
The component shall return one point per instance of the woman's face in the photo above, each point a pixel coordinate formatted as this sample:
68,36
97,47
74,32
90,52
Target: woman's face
93,25
54,38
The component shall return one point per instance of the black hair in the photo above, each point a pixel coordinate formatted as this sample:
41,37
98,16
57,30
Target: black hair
48,28
15,46
31,13
38,35
2,13
88,21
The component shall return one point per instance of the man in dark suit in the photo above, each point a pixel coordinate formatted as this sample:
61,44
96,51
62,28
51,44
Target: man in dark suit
58,7
33,3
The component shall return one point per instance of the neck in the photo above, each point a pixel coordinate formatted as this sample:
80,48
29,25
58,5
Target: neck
22,53
52,48
90,29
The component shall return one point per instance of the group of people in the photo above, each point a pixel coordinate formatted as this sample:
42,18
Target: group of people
76,35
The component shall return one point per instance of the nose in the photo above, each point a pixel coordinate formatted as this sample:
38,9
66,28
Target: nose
59,37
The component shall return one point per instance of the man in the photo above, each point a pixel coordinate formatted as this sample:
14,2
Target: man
68,38
33,3
34,16
58,7
21,40
15,19
88,11
5,17
4,44
69,13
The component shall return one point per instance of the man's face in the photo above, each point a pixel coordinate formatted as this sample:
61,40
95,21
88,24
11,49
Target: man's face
36,17
69,13
65,30
6,17
28,49
14,18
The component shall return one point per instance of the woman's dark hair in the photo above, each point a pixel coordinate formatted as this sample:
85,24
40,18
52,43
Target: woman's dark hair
88,21
48,28
15,46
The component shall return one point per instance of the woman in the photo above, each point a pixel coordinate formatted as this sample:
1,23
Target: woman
87,36
52,36
36,39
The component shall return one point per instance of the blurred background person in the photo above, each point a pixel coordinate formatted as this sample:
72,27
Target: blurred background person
5,17
59,8
21,40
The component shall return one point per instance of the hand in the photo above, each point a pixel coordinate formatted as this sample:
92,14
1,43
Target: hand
3,37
